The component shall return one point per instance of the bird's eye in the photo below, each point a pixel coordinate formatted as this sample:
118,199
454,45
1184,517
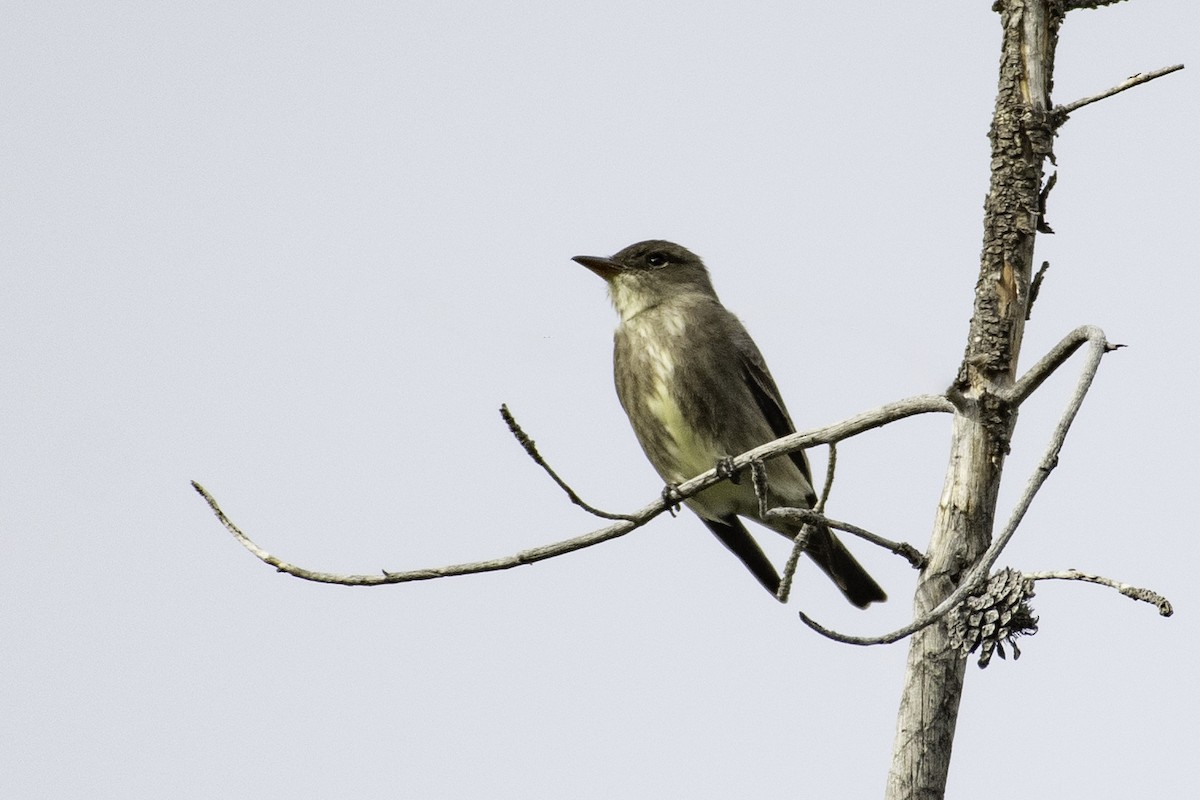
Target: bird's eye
656,260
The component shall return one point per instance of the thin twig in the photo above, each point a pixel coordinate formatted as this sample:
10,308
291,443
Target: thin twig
1133,592
910,553
846,638
800,542
1134,80
532,451
830,469
868,420
384,577
758,475
799,545
979,573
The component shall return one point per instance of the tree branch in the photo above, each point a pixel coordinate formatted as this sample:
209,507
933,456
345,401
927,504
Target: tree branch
800,542
868,420
982,568
1058,355
810,517
799,545
1061,112
384,577
830,470
531,450
1133,592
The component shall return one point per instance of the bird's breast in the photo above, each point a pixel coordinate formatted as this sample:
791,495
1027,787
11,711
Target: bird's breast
671,440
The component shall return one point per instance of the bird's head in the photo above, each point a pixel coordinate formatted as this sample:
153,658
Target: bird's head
650,273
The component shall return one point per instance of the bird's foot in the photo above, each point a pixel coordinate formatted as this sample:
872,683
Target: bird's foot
671,496
725,470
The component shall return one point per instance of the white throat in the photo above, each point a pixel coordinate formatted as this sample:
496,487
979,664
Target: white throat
627,300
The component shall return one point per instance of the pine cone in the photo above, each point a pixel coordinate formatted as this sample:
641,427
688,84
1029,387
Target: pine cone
999,614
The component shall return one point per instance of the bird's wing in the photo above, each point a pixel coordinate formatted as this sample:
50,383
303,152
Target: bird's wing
766,395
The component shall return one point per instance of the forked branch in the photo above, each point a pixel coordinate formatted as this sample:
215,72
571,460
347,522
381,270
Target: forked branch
624,524
861,423
971,583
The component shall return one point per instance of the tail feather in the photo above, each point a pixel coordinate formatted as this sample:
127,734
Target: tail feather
825,549
733,534
843,569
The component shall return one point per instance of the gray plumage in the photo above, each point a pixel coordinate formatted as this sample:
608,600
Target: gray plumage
696,389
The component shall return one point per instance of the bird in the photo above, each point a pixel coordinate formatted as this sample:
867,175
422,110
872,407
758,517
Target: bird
697,392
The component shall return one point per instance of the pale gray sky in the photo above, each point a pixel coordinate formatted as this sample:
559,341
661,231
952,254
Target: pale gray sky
302,254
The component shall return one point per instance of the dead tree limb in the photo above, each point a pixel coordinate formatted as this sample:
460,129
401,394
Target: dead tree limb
986,392
860,423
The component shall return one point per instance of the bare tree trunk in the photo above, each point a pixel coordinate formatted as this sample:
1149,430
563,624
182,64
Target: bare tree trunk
1021,135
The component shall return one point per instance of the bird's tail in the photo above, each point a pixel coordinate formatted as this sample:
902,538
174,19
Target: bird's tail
843,569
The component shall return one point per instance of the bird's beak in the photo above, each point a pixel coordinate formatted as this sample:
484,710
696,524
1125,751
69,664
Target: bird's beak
601,265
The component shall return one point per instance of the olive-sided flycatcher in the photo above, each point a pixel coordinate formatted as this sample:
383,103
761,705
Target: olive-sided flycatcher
697,391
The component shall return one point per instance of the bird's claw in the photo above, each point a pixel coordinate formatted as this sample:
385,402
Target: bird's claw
671,496
725,470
